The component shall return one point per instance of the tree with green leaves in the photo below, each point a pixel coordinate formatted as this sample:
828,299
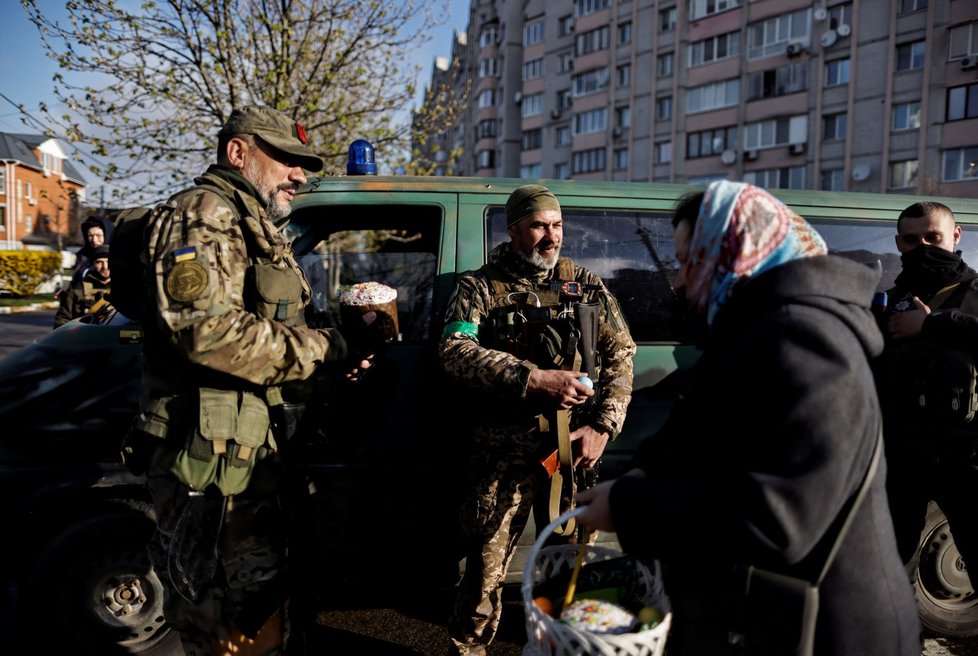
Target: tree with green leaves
148,85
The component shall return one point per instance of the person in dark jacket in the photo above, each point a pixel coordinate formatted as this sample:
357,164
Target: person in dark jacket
96,232
89,291
771,439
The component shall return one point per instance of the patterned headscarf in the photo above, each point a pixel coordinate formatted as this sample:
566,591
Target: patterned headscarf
741,231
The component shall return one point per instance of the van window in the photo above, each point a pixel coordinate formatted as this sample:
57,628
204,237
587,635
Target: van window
632,252
393,245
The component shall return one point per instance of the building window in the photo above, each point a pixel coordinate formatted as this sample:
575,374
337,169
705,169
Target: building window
3,218
906,116
590,81
710,142
713,96
700,8
910,56
834,126
3,179
29,223
667,19
533,33
666,64
28,190
837,72
623,75
561,171
776,132
489,67
489,36
663,152
963,41
778,81
563,99
565,25
833,180
562,135
840,15
595,120
961,164
593,41
623,117
565,62
485,159
620,159
912,5
532,139
624,33
792,177
531,171
487,128
714,48
532,105
50,163
903,174
589,161
771,36
587,7
533,69
663,108
962,102
487,98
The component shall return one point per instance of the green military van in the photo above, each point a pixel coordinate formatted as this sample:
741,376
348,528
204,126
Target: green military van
377,466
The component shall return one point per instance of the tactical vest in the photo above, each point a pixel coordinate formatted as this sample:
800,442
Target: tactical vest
223,430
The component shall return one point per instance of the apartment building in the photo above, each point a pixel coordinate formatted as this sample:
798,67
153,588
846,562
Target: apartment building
40,193
856,95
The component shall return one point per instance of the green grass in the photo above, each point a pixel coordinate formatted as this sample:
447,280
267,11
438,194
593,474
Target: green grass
12,301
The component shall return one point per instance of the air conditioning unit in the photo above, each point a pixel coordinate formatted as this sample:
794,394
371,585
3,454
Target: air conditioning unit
796,148
794,49
750,155
969,62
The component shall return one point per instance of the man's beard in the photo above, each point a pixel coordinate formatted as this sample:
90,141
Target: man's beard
268,192
541,261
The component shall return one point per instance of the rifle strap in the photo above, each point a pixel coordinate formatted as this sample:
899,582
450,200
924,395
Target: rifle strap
565,456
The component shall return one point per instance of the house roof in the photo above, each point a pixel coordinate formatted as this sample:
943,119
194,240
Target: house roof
20,147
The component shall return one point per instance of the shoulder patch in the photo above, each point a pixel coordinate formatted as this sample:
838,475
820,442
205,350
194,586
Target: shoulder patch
186,281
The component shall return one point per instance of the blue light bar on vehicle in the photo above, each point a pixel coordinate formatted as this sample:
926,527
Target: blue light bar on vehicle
360,158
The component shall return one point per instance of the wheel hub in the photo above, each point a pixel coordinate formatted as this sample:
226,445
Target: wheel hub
125,597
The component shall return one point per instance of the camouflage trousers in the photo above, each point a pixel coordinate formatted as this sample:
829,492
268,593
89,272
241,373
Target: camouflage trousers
221,561
506,478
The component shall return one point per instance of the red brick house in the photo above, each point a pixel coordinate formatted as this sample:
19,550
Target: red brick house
40,193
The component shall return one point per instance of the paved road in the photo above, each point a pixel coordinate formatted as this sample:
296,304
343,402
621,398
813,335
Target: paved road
412,625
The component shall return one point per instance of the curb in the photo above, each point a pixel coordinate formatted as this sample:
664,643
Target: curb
47,305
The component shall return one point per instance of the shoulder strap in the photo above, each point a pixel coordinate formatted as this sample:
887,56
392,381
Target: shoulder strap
941,296
855,503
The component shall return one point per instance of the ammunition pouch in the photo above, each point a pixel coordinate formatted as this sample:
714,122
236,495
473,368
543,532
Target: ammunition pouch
231,435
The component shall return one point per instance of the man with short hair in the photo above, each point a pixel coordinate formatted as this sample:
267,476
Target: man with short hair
931,329
226,351
524,370
96,231
86,294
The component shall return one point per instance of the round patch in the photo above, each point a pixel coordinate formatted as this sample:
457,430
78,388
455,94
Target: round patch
186,281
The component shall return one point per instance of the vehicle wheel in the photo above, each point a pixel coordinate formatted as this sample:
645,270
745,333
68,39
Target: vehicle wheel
946,601
94,588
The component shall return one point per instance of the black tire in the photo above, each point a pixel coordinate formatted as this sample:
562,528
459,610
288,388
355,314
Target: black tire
946,600
94,590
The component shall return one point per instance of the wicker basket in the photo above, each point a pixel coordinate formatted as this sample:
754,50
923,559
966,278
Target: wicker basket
548,636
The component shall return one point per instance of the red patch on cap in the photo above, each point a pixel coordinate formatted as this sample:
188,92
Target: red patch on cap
301,133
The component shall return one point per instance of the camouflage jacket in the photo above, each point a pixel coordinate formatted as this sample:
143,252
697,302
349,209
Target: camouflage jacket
483,366
78,299
210,318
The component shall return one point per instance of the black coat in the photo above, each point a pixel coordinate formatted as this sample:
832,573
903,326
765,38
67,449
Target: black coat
757,460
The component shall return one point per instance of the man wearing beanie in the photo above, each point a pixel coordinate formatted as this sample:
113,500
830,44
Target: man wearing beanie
509,337
226,349
87,289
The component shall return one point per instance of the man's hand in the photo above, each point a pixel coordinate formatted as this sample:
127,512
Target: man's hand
590,445
907,325
356,372
561,386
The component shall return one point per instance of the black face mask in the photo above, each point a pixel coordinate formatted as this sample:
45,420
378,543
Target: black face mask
928,269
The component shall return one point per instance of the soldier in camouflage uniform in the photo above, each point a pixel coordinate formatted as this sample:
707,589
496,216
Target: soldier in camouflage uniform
84,294
505,472
225,342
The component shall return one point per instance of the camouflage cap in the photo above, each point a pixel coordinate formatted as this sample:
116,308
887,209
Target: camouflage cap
276,129
528,200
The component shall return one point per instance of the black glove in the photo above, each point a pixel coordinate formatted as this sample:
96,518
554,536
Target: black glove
137,450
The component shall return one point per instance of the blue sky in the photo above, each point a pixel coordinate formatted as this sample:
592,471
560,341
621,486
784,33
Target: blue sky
25,71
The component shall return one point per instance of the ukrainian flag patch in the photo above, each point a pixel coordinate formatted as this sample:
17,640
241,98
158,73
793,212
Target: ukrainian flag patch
184,254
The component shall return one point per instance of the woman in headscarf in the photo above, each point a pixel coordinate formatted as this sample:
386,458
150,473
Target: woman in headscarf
773,437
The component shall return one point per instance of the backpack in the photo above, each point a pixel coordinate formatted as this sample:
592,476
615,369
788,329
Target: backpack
126,263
